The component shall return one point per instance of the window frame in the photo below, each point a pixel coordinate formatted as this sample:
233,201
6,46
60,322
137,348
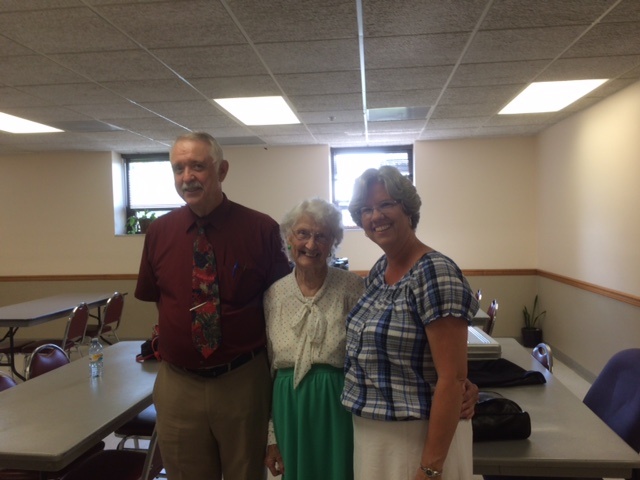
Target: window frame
141,158
408,149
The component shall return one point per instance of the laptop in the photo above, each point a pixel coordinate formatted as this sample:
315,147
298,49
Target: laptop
481,346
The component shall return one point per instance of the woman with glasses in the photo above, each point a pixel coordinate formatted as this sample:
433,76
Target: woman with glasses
406,361
311,435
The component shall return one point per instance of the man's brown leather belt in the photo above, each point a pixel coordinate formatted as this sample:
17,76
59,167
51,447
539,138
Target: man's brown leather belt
218,370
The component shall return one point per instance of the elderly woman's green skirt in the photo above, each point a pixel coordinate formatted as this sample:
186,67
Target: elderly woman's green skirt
313,430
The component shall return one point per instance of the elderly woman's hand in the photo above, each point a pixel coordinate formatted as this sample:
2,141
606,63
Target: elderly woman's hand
273,460
469,399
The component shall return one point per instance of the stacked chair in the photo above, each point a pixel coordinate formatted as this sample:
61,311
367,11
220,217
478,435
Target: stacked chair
110,321
6,382
7,351
141,427
492,312
45,358
73,334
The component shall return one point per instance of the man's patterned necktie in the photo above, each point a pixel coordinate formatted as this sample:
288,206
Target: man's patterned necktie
205,314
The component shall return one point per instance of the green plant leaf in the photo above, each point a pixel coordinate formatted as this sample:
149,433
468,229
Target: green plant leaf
531,319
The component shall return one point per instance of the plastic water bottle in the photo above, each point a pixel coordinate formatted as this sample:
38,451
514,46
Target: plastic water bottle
96,352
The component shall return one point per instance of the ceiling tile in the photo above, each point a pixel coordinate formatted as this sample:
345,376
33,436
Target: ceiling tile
240,86
296,20
212,61
325,83
34,70
383,18
63,30
310,57
414,51
520,44
170,24
412,78
526,14
123,65
153,66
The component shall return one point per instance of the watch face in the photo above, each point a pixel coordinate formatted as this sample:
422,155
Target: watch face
430,472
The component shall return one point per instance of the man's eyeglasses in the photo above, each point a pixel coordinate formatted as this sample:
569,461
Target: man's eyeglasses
383,207
305,235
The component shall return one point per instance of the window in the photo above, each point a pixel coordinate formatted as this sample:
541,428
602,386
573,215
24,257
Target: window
348,163
150,185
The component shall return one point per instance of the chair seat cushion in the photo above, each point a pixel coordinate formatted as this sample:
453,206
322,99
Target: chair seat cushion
140,425
109,465
16,474
11,474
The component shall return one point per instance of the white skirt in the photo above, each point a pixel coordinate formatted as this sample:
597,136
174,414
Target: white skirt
392,450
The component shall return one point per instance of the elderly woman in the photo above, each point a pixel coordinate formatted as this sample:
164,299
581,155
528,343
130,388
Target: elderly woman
406,361
305,315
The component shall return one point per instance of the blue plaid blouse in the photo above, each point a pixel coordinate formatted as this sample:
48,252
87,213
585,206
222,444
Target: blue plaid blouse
389,371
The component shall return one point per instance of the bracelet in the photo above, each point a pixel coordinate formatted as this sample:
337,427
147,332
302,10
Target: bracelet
430,472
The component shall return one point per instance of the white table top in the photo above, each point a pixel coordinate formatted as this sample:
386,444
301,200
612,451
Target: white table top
567,438
50,420
35,312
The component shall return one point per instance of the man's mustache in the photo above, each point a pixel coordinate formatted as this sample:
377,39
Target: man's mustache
191,186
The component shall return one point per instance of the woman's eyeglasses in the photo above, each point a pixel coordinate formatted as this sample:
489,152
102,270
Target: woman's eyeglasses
383,207
305,235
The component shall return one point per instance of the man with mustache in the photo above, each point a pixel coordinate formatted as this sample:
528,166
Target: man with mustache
212,401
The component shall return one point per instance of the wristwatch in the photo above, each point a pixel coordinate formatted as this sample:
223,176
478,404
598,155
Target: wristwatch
430,472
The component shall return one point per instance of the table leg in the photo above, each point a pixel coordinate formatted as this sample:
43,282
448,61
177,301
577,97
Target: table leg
12,354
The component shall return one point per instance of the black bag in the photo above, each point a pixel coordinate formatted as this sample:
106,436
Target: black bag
498,418
501,373
149,349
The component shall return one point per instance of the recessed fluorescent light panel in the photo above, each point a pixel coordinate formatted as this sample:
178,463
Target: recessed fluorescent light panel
11,124
397,114
542,97
259,110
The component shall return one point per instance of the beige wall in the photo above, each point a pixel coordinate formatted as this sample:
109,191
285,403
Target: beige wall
479,200
565,202
64,224
64,221
589,228
589,198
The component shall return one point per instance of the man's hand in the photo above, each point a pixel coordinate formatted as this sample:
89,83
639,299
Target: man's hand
469,399
273,460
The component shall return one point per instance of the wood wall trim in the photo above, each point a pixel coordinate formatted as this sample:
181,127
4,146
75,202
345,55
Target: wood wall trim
500,272
589,287
69,278
480,273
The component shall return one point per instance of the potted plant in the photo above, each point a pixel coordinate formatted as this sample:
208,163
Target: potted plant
139,222
532,331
